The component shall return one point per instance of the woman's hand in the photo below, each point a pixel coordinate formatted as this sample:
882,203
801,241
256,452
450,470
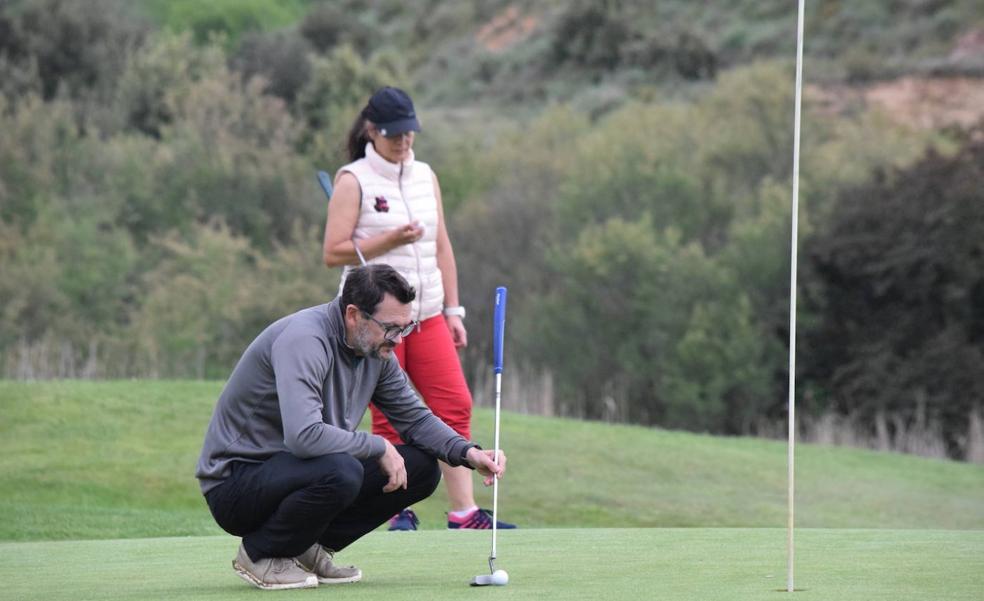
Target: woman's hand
406,234
459,335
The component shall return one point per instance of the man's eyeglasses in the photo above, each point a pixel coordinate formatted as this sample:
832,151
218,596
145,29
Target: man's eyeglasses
390,331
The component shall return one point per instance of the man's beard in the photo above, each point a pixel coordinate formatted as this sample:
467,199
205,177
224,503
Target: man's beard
362,343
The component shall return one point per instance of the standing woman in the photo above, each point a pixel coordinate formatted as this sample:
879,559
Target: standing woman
386,208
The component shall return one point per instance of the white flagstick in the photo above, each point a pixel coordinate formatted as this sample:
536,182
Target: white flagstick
792,305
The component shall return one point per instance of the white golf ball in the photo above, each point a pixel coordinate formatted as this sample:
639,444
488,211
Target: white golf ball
500,577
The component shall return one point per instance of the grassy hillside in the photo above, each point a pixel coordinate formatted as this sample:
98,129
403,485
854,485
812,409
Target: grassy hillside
116,460
595,52
601,563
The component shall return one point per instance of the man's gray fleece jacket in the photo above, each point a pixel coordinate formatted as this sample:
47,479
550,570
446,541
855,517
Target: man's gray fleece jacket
299,388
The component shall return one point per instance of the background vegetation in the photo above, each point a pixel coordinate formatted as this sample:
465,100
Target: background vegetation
624,167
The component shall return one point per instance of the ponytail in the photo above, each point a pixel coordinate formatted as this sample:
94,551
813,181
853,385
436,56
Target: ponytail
358,137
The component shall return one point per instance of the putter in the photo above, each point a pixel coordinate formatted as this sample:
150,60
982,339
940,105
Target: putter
325,180
496,577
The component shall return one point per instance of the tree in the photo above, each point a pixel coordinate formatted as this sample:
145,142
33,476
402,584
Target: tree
901,290
78,47
645,328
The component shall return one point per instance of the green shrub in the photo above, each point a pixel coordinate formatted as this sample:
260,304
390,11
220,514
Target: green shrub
900,291
78,48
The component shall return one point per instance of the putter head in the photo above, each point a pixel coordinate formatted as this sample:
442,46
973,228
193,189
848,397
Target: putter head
481,580
485,579
496,578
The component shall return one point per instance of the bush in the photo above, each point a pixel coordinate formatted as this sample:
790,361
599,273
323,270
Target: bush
78,47
280,58
331,25
590,34
902,295
162,71
212,293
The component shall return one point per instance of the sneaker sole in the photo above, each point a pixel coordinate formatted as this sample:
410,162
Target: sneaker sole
345,580
309,582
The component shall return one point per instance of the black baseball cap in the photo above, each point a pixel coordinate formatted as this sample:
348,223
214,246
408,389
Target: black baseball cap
392,111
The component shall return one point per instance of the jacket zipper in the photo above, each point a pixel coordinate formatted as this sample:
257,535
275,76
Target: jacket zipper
416,251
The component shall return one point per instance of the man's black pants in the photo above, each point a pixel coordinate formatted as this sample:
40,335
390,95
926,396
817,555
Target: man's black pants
283,506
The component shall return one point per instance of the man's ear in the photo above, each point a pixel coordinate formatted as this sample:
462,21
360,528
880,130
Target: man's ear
351,312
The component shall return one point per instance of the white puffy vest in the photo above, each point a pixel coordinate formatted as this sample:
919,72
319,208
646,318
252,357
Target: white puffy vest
390,200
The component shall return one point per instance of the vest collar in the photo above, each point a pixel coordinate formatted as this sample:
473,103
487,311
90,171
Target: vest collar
385,168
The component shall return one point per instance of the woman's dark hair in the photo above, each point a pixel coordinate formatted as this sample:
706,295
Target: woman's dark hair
366,285
358,137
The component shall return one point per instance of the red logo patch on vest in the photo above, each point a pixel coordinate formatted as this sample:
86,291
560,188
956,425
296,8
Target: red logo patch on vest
381,205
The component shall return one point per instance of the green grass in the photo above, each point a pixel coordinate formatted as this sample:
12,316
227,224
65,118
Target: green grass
665,564
232,18
85,460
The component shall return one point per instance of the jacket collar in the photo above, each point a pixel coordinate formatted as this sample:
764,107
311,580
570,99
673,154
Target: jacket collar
390,171
336,319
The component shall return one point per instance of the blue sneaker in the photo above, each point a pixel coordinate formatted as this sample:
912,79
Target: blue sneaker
405,520
480,519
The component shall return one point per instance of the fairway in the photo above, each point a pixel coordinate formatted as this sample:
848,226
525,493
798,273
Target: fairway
600,563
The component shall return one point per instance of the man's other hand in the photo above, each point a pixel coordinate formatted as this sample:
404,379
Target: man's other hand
391,462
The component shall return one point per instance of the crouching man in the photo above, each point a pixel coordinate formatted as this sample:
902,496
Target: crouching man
283,466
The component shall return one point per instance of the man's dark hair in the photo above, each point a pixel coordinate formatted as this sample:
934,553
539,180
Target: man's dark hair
366,285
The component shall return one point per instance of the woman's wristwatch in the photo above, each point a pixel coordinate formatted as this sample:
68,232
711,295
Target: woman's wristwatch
459,311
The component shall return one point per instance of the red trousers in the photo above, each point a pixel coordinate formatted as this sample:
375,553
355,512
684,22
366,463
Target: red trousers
431,361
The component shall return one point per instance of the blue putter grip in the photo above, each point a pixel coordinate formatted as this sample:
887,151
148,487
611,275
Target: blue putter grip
498,328
325,180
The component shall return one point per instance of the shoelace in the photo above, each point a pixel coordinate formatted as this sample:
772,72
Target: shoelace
479,520
281,565
413,516
323,561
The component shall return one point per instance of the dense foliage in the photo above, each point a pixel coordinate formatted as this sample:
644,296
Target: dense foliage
626,176
901,338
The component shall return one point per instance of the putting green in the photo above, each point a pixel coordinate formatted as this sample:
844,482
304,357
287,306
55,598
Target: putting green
602,563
